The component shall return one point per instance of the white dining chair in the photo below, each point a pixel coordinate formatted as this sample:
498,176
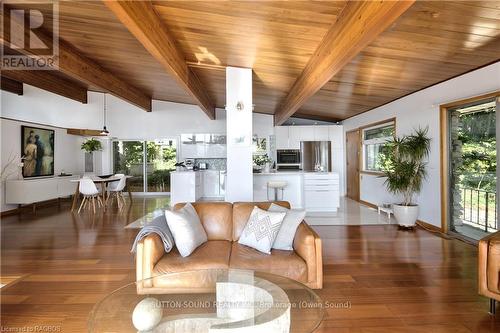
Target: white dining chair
112,186
115,190
90,194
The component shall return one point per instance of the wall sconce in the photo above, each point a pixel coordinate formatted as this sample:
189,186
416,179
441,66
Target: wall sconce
240,106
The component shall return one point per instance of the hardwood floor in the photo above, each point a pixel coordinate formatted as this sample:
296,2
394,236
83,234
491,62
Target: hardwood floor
58,265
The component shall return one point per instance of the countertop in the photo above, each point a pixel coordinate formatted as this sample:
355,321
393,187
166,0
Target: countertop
193,171
291,172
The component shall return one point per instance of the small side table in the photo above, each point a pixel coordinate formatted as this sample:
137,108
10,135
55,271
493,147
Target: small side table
386,209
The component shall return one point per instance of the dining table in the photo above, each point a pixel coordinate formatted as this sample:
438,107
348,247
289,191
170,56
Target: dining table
103,182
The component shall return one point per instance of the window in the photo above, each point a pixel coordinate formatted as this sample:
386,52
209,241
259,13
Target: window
374,145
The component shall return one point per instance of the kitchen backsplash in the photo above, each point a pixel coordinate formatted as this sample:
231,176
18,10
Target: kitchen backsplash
213,163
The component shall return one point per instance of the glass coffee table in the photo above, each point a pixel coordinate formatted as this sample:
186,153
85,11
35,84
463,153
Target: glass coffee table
232,301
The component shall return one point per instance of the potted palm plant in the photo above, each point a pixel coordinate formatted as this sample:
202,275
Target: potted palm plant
405,172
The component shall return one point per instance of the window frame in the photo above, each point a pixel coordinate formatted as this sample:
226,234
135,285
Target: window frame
364,143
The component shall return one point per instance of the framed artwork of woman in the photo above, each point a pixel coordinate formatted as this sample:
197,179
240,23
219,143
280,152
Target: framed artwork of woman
37,147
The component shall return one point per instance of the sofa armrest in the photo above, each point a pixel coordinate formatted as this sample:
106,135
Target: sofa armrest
488,266
307,245
149,251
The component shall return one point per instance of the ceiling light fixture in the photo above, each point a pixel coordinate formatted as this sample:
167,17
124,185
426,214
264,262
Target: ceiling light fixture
104,129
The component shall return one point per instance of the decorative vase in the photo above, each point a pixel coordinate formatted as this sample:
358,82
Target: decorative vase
406,215
89,162
267,168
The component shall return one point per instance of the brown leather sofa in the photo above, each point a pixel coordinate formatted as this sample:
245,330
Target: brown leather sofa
489,268
224,223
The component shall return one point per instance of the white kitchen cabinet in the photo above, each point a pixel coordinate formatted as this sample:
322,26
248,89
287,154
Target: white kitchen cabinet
184,187
215,151
281,137
321,192
298,134
321,133
211,183
336,135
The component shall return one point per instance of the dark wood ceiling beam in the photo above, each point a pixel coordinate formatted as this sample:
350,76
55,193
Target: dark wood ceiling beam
50,82
11,86
357,26
143,22
73,64
316,117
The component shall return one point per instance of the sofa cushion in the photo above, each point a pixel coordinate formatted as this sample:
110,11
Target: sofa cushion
286,235
210,255
242,211
283,263
261,229
186,228
216,218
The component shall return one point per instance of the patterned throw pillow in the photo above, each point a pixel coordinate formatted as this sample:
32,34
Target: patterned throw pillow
261,229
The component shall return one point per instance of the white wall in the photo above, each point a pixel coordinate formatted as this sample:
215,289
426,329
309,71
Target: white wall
125,121
422,109
67,154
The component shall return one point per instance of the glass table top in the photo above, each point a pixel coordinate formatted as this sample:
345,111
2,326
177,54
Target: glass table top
229,300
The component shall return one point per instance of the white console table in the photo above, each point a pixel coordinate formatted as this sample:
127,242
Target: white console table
30,191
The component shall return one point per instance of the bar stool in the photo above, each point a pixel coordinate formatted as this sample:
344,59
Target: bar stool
276,185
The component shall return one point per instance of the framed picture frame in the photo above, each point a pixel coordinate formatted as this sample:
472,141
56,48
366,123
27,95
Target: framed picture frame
37,148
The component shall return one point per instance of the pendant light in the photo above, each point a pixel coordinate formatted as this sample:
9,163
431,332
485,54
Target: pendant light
104,129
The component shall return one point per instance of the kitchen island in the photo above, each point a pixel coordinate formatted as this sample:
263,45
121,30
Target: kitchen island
313,191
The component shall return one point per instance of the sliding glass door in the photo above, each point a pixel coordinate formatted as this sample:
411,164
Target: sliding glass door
161,156
473,168
128,158
148,162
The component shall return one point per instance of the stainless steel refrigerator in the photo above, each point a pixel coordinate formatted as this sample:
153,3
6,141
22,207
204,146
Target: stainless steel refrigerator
316,156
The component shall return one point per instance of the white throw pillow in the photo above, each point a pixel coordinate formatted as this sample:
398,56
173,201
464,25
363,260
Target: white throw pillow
186,228
261,229
284,239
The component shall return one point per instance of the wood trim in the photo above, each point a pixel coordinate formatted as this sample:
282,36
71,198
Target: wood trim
84,132
359,23
443,161
143,22
73,64
50,82
471,99
10,212
443,156
429,227
371,173
11,86
369,204
388,120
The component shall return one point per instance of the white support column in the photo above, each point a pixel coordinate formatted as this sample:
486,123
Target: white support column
239,182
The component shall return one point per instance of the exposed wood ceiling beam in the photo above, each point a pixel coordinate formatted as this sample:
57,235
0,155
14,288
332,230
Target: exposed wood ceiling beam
48,81
316,117
11,86
83,69
359,24
143,22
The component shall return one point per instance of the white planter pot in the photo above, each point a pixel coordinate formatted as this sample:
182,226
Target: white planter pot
405,215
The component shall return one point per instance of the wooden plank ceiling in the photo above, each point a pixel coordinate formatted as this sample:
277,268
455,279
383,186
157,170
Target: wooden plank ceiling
431,42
